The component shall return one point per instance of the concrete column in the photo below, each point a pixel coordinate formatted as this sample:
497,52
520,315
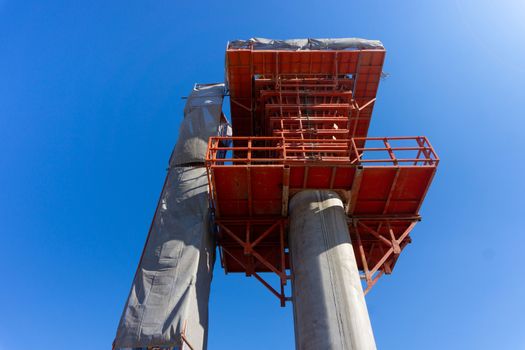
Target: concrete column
329,306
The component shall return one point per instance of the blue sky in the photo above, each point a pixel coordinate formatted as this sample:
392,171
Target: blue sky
89,112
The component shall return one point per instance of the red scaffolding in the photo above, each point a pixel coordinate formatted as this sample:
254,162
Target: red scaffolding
301,120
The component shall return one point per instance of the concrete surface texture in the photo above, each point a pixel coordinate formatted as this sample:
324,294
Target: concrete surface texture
329,306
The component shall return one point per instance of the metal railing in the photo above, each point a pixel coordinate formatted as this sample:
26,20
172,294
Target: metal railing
377,151
408,150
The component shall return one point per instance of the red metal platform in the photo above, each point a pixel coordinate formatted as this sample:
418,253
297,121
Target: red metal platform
383,187
300,120
256,76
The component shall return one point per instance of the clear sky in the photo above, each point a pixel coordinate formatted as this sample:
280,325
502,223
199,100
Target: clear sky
89,111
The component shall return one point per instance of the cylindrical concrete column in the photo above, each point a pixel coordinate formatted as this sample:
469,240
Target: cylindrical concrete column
329,306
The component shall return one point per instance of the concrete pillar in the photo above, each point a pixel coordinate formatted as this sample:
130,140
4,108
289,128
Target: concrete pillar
329,306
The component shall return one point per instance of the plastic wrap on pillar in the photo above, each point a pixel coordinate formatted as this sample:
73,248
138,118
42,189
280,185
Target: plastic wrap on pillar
329,306
170,292
168,302
203,118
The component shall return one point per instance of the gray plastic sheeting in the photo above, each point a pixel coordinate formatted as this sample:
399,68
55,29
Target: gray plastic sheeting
170,291
203,118
307,44
171,287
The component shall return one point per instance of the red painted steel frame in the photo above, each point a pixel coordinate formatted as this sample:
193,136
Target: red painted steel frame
301,120
244,248
250,193
254,76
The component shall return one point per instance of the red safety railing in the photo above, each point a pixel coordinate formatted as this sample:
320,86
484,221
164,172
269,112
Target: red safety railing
378,151
243,150
409,150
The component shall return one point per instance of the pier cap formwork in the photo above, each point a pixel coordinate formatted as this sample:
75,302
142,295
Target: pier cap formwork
300,112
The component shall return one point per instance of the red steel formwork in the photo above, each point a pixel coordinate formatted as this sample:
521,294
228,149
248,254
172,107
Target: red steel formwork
256,76
302,119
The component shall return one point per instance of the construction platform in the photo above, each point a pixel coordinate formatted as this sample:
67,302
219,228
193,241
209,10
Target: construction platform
259,81
382,186
300,119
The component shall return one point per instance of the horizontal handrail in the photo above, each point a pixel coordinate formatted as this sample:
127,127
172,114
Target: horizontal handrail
224,150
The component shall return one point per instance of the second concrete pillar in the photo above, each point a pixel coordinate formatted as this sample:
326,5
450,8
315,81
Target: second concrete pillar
329,306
